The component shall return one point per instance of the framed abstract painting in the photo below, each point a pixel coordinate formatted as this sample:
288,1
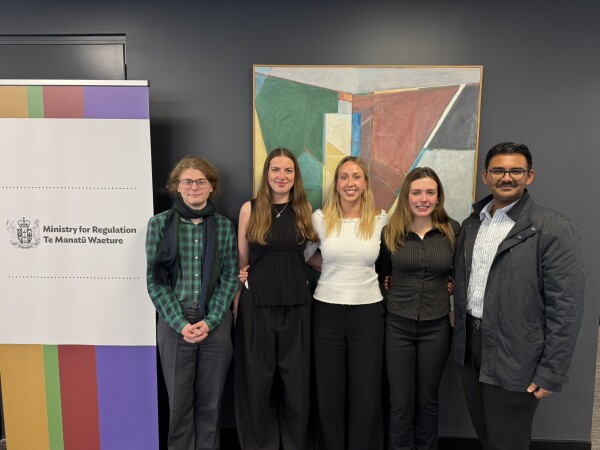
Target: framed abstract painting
395,117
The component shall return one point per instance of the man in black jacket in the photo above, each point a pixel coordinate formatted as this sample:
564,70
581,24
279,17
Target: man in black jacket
519,285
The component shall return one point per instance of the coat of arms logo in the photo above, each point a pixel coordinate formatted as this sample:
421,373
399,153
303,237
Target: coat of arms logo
23,234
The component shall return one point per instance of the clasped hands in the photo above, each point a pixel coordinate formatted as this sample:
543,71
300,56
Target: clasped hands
194,333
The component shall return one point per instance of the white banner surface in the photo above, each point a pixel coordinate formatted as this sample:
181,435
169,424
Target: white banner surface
75,198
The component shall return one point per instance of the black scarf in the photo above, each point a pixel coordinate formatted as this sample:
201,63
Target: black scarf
166,264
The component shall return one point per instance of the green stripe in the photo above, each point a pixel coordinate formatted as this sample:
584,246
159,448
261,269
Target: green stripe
55,425
35,102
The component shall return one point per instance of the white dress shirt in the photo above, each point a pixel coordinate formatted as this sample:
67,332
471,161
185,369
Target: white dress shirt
491,233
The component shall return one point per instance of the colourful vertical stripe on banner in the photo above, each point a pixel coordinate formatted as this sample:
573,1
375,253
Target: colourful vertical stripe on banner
24,397
127,402
35,102
106,102
79,395
13,102
55,423
64,102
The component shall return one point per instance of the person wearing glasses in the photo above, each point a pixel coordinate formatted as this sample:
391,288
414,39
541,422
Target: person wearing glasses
192,278
417,249
272,330
518,301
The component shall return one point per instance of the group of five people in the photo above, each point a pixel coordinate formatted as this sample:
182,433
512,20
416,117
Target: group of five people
309,367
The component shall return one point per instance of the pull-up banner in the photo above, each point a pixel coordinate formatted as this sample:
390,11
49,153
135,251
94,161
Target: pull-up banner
77,329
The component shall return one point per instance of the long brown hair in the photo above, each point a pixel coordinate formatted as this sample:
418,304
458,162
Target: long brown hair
402,217
261,218
332,210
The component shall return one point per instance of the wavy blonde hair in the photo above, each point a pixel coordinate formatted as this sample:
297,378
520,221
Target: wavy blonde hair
332,210
261,218
402,217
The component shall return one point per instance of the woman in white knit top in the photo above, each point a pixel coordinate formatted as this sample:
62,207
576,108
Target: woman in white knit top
348,315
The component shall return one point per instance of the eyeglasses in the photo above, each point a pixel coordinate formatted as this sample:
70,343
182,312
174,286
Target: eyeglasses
200,182
515,174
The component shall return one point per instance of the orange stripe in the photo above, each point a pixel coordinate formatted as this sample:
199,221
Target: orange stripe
24,396
13,101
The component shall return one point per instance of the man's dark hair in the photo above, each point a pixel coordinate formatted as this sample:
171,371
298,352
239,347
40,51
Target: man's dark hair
508,148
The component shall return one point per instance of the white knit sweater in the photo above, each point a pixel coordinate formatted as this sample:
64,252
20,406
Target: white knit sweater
348,274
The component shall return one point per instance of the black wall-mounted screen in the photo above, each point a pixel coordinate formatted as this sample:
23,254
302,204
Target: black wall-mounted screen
63,57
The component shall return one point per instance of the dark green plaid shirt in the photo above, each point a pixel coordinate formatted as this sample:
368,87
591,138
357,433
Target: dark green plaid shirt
191,246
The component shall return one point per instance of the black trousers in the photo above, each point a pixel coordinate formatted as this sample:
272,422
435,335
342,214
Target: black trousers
194,377
272,373
348,358
415,353
502,418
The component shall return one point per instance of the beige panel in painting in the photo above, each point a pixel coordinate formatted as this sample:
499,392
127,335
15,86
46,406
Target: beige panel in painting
260,153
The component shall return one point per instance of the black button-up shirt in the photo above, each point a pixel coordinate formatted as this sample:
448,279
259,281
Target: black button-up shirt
420,271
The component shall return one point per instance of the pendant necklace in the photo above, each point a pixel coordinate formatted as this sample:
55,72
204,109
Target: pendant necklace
279,212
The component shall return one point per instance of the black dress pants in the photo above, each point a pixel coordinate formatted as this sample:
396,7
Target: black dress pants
502,418
416,353
195,377
272,373
348,359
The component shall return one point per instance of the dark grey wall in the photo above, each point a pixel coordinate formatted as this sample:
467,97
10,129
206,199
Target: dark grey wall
541,87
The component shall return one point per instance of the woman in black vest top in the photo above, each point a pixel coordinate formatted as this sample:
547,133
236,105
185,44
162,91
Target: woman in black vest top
272,333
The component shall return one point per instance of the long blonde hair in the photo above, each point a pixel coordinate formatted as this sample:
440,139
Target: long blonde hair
402,217
260,220
332,210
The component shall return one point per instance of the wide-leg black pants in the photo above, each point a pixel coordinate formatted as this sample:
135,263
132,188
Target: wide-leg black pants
348,358
272,372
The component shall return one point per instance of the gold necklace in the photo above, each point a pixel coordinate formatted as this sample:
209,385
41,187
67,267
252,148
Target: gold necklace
279,212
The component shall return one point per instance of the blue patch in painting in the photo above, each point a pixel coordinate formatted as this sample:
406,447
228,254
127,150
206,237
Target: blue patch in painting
259,81
355,148
263,70
418,159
